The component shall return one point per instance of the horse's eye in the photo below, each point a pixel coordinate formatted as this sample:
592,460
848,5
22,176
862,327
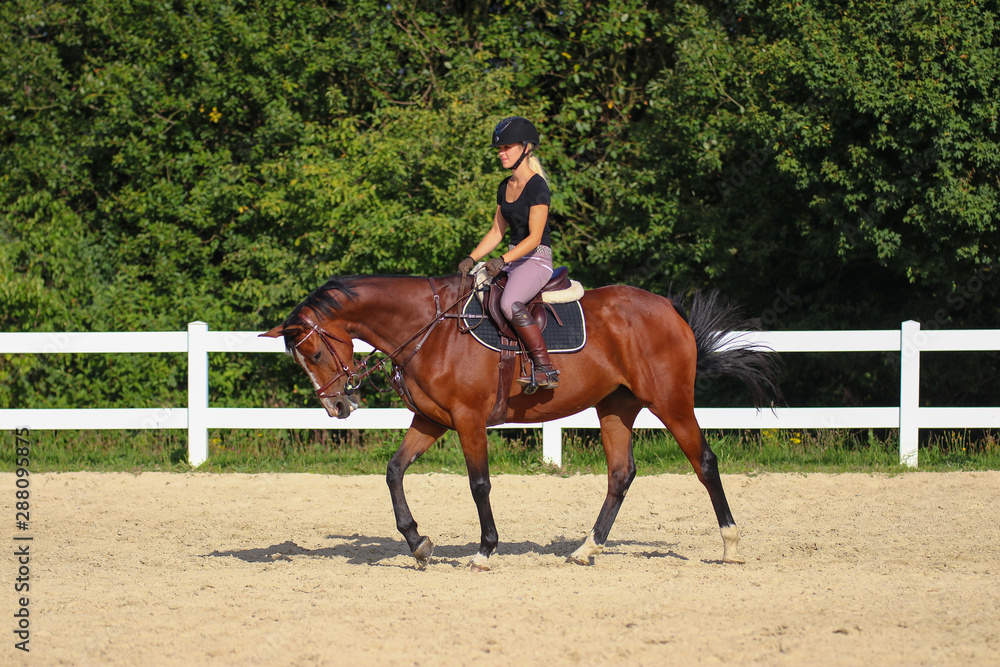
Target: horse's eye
317,355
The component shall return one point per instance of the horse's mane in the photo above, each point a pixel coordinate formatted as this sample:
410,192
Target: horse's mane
323,299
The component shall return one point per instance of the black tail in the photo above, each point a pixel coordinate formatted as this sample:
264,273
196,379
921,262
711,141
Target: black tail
722,351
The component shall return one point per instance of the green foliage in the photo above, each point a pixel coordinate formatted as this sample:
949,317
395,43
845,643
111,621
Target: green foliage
840,146
827,165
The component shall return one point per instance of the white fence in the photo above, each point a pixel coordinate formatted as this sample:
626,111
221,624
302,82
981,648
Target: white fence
909,341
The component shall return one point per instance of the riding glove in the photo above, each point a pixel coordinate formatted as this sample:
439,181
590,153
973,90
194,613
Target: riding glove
495,266
466,265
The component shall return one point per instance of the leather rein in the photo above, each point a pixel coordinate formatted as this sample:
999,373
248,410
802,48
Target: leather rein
361,371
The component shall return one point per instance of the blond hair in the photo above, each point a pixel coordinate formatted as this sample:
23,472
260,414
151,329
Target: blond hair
535,165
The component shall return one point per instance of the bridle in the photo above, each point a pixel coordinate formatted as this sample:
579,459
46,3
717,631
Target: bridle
352,380
362,371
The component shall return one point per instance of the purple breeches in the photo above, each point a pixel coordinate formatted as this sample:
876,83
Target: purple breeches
525,279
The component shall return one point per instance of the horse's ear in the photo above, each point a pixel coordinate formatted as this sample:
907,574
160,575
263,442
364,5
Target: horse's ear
274,333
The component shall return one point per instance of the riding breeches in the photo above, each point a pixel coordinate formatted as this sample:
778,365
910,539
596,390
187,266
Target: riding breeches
525,278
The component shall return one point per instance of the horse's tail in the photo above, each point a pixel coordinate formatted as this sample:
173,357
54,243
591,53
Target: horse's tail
724,352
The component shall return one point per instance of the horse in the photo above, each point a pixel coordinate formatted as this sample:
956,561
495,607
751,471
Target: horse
641,352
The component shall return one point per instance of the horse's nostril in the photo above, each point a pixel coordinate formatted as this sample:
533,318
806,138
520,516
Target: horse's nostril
344,407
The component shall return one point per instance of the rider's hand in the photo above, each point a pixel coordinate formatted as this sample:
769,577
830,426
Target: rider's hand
495,266
465,266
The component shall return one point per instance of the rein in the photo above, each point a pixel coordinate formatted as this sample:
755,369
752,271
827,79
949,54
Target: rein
362,372
423,332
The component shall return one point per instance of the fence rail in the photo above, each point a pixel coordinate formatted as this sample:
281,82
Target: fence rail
198,342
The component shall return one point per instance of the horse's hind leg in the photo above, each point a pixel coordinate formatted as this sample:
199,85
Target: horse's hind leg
418,439
617,414
684,427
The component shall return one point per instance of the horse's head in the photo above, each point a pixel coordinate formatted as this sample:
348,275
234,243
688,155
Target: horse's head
327,356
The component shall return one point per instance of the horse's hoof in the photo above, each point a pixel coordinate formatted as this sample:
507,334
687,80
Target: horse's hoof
424,551
730,544
479,563
589,548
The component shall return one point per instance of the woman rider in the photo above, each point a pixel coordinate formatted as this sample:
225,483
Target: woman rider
523,206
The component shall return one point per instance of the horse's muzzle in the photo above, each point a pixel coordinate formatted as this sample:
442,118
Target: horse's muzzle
341,406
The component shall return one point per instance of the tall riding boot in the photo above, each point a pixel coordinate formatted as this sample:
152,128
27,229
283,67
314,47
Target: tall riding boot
543,375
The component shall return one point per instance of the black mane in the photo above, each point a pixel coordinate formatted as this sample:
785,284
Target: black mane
328,299
324,300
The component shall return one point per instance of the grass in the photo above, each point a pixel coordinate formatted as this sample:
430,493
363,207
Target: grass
511,452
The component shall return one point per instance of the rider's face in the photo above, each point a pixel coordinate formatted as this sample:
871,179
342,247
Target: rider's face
509,153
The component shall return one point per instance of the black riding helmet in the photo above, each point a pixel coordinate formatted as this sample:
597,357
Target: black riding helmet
515,130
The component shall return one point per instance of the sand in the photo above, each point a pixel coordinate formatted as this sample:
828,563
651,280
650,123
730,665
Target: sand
171,569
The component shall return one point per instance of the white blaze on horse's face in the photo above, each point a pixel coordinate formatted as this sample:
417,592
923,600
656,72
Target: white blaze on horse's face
307,367
336,402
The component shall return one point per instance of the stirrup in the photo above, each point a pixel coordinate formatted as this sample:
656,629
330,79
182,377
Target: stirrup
550,379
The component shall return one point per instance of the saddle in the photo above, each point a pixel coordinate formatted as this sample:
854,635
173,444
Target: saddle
536,307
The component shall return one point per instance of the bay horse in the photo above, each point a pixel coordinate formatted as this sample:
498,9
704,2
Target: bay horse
641,351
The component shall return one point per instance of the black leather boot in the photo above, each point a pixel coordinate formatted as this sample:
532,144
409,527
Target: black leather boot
543,375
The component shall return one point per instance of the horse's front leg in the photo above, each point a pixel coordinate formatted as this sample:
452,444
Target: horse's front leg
477,462
418,439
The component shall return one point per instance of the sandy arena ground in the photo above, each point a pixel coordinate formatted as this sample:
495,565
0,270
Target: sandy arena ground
305,569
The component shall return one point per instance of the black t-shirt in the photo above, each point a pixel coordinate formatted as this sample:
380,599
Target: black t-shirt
536,191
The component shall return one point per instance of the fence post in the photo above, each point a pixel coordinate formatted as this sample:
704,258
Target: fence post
552,443
909,392
197,393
